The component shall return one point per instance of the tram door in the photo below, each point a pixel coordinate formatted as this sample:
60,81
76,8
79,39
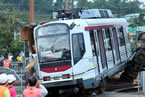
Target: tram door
108,48
115,46
102,53
94,50
122,46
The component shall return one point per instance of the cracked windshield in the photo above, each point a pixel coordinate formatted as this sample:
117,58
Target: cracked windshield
53,43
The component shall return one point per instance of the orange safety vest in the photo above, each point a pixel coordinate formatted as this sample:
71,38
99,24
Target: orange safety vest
6,63
32,92
2,90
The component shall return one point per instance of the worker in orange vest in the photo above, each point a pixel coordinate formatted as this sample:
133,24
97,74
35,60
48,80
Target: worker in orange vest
6,63
35,89
4,91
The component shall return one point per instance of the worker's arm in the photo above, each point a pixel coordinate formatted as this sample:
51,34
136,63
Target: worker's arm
43,91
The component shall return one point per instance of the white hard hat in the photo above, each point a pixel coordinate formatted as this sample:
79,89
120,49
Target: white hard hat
3,78
11,78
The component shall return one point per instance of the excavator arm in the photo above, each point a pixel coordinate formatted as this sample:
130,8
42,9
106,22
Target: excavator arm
26,34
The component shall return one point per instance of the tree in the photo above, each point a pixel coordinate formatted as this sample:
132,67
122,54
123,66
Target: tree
44,6
137,21
10,22
118,7
84,5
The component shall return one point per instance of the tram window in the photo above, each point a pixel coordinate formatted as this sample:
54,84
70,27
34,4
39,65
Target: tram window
78,46
108,44
107,32
92,42
126,35
103,34
111,36
102,13
106,14
105,39
121,36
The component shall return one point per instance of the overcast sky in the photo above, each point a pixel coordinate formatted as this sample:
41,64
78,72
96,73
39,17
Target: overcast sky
141,1
130,0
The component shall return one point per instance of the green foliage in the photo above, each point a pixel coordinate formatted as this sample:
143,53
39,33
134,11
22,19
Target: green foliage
85,4
58,6
141,20
118,7
137,21
44,6
132,22
10,22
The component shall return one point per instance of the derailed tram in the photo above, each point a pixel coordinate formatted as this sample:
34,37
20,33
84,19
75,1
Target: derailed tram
80,53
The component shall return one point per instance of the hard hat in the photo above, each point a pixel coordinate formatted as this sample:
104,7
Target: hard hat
3,78
11,78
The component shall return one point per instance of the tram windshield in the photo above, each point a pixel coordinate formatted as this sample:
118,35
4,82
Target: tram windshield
53,43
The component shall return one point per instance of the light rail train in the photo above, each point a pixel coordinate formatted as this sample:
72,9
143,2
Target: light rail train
79,53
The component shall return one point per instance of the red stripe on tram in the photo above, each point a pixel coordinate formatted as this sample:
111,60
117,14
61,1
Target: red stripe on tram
56,69
97,27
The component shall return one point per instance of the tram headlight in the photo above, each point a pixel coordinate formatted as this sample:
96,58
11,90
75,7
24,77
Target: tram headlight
47,78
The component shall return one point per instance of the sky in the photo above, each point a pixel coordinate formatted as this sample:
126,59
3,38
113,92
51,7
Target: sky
130,0
140,1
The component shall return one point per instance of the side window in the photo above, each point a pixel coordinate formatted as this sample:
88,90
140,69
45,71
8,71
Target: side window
104,39
108,39
121,36
78,47
92,42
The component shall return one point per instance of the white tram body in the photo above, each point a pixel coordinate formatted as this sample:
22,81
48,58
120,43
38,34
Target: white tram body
81,51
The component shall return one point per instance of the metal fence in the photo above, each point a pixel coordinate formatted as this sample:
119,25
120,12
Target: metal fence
9,71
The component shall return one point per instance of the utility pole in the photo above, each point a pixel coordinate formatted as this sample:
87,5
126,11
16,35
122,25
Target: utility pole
72,4
31,11
66,4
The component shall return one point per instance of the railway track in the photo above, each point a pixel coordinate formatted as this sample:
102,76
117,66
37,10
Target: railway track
126,87
113,85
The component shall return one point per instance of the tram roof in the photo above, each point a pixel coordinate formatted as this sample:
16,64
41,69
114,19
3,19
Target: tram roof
92,22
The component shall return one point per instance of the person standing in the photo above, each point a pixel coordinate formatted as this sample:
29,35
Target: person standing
11,82
10,57
1,60
35,89
6,63
4,91
20,61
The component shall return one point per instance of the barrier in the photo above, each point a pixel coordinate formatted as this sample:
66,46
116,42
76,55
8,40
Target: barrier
9,71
